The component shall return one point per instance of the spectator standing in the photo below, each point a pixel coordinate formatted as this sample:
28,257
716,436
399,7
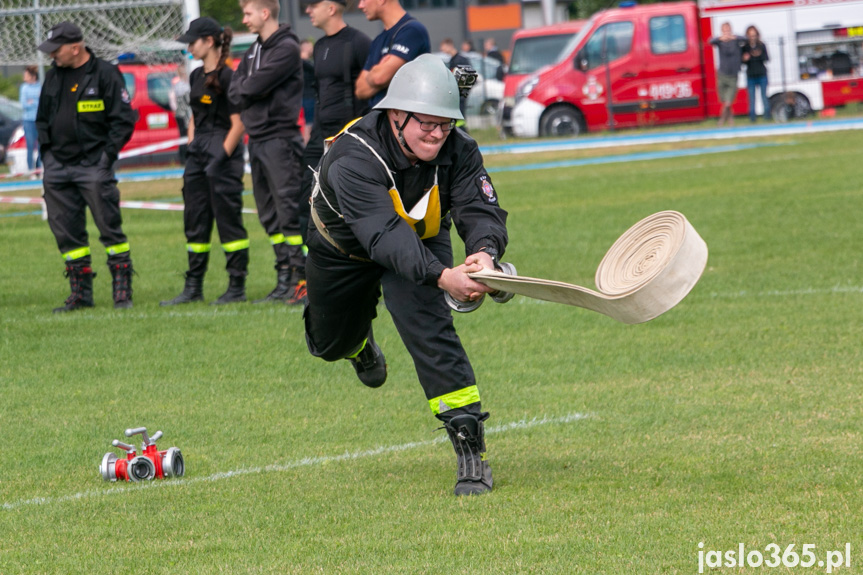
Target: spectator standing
268,88
306,54
493,52
339,58
213,177
28,96
730,56
403,39
84,119
755,56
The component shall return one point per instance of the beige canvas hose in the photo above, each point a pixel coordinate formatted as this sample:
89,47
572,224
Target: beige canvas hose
647,271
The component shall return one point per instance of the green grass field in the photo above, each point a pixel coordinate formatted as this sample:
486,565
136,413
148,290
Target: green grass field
734,418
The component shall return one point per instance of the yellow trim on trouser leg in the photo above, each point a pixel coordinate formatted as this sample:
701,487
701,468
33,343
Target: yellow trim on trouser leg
76,254
362,347
236,246
198,248
454,399
117,249
277,239
294,240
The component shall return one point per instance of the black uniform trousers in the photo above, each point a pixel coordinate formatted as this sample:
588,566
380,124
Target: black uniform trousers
342,297
218,198
69,190
276,181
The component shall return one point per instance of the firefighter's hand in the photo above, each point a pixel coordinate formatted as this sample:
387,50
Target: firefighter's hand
482,259
459,285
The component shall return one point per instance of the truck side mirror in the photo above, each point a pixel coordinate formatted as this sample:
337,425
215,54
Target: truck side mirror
580,62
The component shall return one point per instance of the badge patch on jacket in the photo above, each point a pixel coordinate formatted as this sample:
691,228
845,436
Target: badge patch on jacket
124,95
487,189
206,99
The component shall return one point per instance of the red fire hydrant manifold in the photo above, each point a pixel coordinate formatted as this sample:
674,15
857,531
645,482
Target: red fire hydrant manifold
151,464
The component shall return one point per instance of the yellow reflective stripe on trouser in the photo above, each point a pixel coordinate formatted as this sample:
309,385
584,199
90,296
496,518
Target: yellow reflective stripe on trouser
235,246
454,399
117,249
277,239
294,240
76,254
198,248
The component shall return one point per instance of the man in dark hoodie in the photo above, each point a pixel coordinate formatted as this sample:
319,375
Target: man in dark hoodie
268,88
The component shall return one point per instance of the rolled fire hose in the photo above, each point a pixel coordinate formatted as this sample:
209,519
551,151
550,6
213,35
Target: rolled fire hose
647,271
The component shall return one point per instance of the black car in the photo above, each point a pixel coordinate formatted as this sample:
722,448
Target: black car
10,120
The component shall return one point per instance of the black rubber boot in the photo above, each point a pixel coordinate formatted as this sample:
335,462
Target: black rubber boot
370,364
81,289
192,291
236,292
284,288
121,286
467,434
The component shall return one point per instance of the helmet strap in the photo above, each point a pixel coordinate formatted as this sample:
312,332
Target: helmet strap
401,136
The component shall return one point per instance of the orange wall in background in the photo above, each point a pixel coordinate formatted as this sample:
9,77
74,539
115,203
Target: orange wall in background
500,17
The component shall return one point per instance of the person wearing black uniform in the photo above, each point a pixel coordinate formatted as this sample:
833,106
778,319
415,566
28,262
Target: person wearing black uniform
84,120
213,178
268,89
387,193
339,58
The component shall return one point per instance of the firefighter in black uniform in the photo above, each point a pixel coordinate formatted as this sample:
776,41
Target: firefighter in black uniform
388,190
213,178
84,120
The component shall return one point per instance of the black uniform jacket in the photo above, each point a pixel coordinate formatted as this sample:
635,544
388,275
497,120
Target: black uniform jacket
357,186
268,86
107,124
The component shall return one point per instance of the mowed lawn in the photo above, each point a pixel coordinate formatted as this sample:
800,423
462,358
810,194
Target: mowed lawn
734,418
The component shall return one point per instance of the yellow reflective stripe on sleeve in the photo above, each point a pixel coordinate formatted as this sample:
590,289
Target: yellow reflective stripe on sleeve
76,254
117,249
294,240
91,106
198,248
454,399
277,239
236,246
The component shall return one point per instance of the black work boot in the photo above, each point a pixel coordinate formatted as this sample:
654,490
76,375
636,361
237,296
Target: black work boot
236,292
121,285
473,476
284,288
370,364
81,292
192,291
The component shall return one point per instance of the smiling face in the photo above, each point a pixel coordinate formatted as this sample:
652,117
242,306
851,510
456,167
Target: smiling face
424,145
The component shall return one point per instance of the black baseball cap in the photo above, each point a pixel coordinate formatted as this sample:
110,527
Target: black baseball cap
201,28
342,2
60,34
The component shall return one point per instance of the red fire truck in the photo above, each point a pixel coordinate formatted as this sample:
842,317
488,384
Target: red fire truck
653,64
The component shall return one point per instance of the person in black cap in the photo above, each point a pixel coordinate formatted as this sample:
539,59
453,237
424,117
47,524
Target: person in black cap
339,58
84,119
213,178
268,88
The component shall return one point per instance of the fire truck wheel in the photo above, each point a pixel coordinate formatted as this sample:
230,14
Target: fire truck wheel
561,121
789,106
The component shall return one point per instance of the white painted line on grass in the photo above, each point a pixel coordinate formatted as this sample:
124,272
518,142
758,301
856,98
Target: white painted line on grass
281,467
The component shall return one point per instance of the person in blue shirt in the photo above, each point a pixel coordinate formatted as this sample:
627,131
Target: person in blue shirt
28,96
402,40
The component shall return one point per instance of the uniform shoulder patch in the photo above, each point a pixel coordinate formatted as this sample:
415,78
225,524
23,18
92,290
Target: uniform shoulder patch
486,189
124,95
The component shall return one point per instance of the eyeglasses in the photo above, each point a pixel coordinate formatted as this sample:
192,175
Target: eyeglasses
445,127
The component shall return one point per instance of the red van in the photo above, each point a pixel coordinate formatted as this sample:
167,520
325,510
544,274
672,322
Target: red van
652,64
532,49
